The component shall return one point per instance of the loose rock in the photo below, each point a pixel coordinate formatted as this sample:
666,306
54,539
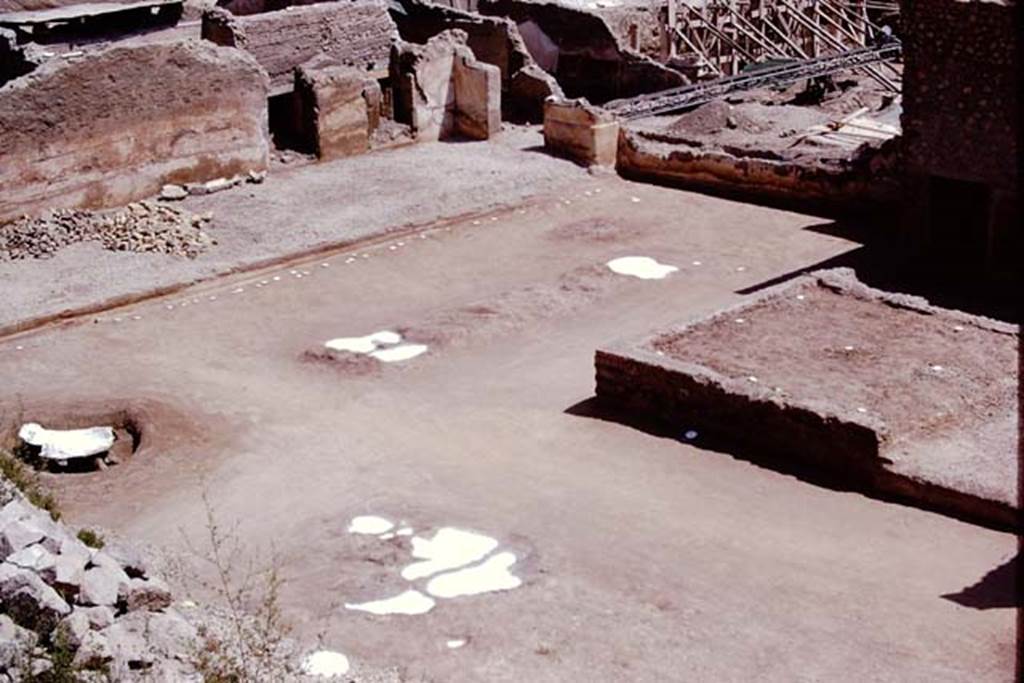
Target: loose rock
138,227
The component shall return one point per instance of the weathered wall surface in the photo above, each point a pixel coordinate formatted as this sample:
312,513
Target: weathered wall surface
864,180
441,90
338,108
960,90
353,32
477,96
961,121
494,40
582,51
115,125
579,131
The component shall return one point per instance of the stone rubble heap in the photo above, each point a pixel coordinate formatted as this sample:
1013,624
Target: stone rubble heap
104,606
140,227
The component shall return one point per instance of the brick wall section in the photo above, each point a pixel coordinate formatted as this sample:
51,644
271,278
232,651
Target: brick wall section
115,125
353,32
961,105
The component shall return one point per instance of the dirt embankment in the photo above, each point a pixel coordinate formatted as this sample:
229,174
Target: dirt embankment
836,148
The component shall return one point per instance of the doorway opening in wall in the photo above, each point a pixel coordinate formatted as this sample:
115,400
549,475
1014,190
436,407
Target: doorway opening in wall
285,122
959,223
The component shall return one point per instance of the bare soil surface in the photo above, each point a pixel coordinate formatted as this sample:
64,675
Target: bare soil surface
772,124
642,558
298,208
943,389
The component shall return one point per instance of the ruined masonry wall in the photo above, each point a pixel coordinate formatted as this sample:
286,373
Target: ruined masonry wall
352,32
960,97
115,125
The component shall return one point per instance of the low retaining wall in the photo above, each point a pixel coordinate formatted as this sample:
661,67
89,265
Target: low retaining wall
115,125
863,181
814,425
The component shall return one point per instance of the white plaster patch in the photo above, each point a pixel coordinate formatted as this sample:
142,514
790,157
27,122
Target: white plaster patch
405,531
643,267
486,577
410,602
455,643
449,549
63,444
385,346
369,524
399,353
325,664
365,344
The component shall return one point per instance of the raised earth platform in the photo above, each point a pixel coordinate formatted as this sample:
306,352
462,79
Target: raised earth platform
882,392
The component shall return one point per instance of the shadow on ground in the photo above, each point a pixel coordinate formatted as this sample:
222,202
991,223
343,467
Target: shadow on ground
726,444
882,263
595,408
1000,588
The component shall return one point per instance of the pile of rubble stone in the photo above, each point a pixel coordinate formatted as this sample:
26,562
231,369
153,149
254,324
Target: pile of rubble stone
59,597
141,227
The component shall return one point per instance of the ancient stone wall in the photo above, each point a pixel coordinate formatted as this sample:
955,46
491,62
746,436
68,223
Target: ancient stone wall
582,51
115,125
494,40
353,32
961,127
441,90
961,101
579,131
339,108
636,26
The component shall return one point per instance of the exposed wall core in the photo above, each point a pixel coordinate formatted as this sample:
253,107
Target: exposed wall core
114,125
353,32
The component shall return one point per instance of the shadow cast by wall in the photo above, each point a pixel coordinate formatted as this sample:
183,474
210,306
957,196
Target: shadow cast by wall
999,589
882,262
728,444
697,437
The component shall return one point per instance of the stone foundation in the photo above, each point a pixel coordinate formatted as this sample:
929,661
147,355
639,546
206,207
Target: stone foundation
736,381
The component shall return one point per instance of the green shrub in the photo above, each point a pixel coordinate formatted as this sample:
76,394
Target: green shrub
26,480
91,538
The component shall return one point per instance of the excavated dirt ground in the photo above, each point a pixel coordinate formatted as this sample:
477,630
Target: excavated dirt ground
297,208
767,123
643,558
